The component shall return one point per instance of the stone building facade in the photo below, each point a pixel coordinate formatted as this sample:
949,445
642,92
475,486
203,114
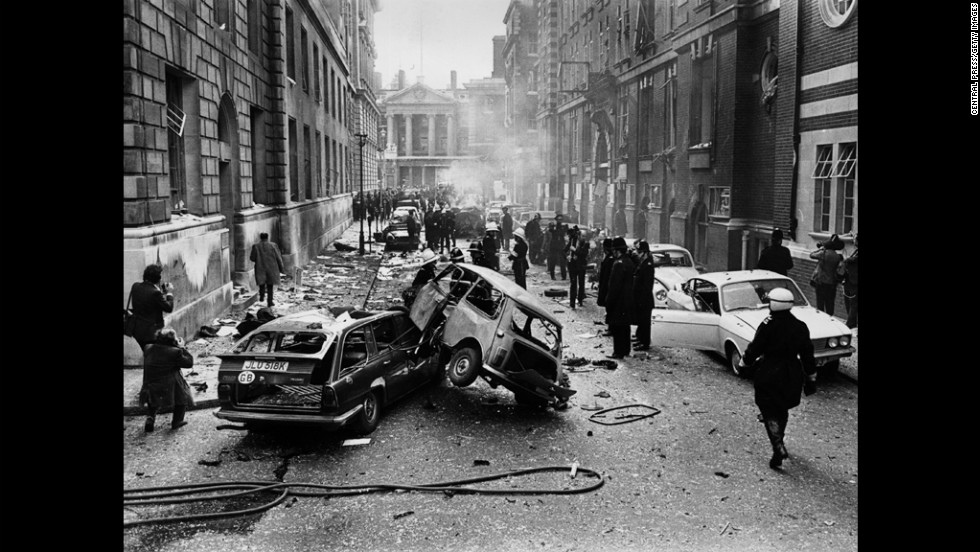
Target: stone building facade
236,121
520,54
709,115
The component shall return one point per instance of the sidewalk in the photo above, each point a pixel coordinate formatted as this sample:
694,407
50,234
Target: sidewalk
203,377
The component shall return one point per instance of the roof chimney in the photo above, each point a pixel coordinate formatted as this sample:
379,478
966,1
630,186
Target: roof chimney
498,57
452,80
401,79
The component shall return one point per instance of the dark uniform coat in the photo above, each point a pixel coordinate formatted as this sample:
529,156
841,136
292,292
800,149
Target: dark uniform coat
149,304
163,384
605,269
776,258
519,262
783,343
643,285
619,223
619,295
506,226
268,263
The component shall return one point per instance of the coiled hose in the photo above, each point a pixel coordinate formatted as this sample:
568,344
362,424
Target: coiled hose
176,494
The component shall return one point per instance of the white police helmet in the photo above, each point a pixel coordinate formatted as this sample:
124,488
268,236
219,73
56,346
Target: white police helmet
780,299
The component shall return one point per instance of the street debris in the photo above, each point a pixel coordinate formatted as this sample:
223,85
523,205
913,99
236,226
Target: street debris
603,395
355,442
211,463
403,514
607,364
343,247
594,407
574,469
722,474
575,361
481,462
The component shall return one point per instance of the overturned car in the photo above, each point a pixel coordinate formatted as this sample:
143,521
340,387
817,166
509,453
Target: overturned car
486,326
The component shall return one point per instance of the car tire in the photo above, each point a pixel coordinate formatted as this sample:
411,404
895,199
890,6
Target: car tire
734,357
370,415
555,292
464,366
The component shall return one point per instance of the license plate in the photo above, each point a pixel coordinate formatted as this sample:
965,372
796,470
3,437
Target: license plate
267,365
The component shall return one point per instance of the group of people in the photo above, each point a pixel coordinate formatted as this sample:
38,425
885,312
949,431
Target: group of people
374,206
440,227
832,269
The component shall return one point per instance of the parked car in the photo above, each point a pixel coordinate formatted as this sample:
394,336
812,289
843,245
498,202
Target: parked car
395,234
487,326
672,265
720,311
494,214
470,223
525,217
312,368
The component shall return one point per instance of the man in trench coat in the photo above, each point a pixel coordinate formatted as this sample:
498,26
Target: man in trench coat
268,266
619,299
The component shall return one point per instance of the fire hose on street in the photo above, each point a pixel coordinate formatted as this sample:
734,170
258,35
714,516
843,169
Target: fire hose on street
201,492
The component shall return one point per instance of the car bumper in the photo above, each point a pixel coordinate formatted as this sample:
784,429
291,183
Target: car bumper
830,355
318,420
511,383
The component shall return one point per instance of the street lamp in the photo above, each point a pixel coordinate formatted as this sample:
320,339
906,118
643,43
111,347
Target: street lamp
361,140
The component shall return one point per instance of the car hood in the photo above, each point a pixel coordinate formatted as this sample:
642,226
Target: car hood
820,324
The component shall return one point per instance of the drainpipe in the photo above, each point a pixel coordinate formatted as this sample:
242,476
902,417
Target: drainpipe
745,249
796,124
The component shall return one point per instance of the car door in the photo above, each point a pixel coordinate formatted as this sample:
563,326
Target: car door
692,323
356,372
392,360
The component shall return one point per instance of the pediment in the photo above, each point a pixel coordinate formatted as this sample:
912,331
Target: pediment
419,94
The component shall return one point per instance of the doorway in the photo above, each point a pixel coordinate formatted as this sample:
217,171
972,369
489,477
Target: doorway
229,179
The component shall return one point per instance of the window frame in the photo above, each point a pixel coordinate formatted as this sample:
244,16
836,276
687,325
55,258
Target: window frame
290,39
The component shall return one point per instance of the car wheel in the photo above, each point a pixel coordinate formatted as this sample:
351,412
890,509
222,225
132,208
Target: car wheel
370,414
828,370
464,366
734,358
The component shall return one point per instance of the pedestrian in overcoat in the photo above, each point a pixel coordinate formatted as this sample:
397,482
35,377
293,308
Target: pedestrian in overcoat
577,254
619,222
268,266
533,232
518,258
643,279
150,300
619,299
556,247
825,275
490,251
850,270
506,228
785,367
163,383
775,256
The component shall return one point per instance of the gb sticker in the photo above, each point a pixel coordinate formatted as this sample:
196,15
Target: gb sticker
246,377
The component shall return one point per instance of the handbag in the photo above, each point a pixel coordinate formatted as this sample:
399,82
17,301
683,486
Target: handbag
129,319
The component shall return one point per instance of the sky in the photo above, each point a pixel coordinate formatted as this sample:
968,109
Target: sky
449,34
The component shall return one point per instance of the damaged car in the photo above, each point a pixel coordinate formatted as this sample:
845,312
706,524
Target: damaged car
721,311
484,325
314,369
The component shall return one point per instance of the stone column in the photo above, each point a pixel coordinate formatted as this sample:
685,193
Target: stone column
392,138
451,138
408,134
432,135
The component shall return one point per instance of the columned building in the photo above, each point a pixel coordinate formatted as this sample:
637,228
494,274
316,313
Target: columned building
423,135
236,121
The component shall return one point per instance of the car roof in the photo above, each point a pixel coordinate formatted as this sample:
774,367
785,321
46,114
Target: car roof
512,290
667,247
302,320
734,276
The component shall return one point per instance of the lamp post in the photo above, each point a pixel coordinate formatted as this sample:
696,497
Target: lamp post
361,140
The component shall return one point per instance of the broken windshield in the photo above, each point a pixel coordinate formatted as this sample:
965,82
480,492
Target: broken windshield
270,342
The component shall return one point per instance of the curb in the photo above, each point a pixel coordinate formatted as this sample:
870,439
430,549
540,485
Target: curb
198,405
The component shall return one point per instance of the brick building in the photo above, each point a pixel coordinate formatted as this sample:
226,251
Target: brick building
236,120
520,54
710,114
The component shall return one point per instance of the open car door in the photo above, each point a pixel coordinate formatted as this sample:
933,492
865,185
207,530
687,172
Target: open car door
688,321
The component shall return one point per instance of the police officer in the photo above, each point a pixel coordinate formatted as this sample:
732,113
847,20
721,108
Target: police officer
533,232
619,299
518,258
577,255
556,246
605,267
786,366
643,295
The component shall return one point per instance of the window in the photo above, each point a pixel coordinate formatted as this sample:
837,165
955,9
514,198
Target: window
224,15
586,139
575,138
290,48
307,164
670,106
356,349
624,116
254,26
176,119
304,59
384,332
702,117
326,86
835,188
293,162
645,115
485,298
326,165
333,93
836,12
318,165
721,202
316,72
